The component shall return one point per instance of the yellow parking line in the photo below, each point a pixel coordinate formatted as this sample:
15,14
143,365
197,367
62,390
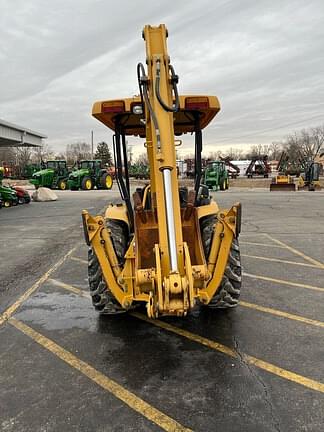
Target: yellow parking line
262,244
284,282
137,404
296,252
83,261
283,373
283,314
279,260
12,309
271,368
71,288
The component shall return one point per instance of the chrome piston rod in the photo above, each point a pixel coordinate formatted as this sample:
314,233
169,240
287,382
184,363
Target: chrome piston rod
170,219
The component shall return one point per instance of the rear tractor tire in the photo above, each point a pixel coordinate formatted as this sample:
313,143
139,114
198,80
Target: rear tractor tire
102,299
87,183
106,181
227,296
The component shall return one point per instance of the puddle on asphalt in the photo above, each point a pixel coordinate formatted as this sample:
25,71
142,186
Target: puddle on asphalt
59,311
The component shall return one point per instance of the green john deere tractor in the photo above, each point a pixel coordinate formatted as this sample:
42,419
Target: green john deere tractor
29,170
216,176
54,175
89,174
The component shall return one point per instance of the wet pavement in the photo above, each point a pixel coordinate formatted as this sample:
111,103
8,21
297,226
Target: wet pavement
64,368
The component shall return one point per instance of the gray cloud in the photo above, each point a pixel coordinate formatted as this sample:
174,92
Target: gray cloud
263,59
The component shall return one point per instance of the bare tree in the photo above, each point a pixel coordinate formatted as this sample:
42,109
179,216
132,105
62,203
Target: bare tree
23,158
258,150
7,156
188,156
42,153
60,156
304,145
318,138
213,155
275,150
235,153
77,151
142,159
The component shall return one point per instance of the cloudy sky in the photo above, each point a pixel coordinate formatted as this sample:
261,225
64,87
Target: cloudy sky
263,59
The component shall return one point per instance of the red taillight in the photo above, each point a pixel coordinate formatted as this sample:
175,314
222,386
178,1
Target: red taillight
113,107
197,103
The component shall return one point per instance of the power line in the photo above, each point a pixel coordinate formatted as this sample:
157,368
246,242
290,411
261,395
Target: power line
269,129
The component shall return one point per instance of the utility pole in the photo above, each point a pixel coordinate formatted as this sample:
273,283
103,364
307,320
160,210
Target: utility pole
92,144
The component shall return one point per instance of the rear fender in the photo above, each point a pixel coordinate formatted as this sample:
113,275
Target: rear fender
118,212
226,229
98,237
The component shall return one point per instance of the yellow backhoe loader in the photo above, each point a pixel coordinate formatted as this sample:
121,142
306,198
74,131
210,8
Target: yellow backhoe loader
170,248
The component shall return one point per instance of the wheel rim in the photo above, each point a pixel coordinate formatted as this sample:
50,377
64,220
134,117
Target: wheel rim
63,185
7,204
108,182
88,184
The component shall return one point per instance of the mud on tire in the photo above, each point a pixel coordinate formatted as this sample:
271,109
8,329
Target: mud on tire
102,299
228,294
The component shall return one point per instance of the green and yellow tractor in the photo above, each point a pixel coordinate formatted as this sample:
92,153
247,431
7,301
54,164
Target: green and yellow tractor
216,176
54,175
89,174
29,170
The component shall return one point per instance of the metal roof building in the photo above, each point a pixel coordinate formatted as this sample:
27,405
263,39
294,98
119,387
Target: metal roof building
12,135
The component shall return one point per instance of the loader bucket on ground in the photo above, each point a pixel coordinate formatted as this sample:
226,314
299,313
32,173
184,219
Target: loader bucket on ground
282,187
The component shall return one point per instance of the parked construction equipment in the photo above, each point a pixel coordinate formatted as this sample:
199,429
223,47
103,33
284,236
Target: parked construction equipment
216,176
174,249
282,181
54,175
232,169
259,166
309,179
89,174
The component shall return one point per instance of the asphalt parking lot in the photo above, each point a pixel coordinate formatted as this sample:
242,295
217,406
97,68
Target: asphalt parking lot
259,367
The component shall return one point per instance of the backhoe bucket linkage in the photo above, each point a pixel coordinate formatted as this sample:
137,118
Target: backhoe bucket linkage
174,294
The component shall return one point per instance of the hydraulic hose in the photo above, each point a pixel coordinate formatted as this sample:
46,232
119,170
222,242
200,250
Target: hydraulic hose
174,82
143,87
